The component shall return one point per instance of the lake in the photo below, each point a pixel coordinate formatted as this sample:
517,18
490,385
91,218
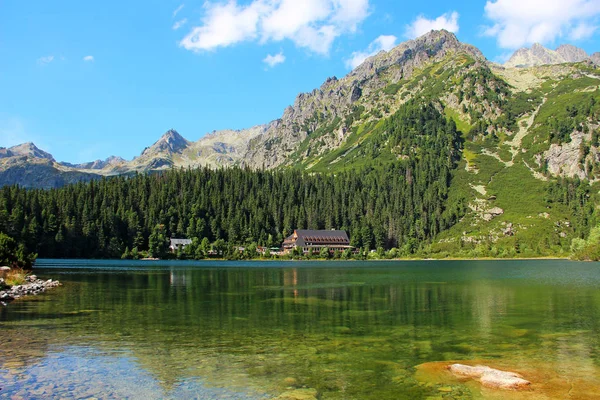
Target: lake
342,330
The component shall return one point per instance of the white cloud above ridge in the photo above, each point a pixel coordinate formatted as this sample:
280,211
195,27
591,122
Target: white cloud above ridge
179,24
45,60
382,43
88,58
273,60
517,23
310,24
421,25
583,30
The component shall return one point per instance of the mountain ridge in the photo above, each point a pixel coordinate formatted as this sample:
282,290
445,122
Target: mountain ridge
538,55
327,117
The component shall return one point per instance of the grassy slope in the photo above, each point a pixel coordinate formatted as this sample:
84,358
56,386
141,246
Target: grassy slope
538,227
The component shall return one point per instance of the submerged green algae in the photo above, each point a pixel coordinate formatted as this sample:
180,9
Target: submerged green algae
196,328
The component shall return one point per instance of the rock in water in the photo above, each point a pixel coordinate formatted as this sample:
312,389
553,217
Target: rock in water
491,378
299,394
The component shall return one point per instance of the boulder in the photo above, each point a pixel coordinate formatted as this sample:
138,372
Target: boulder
4,271
508,231
4,296
490,377
492,213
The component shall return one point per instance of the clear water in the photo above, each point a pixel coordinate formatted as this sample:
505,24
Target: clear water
252,330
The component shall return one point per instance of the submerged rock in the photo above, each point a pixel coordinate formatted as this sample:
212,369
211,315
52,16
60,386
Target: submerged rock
491,378
299,394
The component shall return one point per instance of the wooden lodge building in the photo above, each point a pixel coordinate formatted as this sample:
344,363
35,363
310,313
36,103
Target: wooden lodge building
179,244
313,241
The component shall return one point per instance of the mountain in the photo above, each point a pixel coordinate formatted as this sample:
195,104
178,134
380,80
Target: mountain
323,129
110,162
26,150
522,172
539,55
160,154
324,109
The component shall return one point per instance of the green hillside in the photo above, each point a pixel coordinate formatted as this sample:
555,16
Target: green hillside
512,206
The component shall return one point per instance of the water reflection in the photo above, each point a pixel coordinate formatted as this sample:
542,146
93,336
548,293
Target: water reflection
178,277
349,332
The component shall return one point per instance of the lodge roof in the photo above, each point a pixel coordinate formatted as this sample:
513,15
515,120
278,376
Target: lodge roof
180,242
302,237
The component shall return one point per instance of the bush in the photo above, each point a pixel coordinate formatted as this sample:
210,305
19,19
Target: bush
590,249
13,254
16,276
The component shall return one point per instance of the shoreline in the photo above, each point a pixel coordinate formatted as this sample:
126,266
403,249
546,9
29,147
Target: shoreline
32,287
156,260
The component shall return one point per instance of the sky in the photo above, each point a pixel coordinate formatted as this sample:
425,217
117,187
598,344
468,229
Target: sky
85,80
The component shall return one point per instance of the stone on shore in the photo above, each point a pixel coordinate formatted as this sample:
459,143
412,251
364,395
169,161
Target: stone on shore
34,286
491,378
4,271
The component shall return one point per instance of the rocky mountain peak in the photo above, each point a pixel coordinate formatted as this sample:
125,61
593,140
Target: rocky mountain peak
540,55
30,150
111,161
571,53
171,142
414,53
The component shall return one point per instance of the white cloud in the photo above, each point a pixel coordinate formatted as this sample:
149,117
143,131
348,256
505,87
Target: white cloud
224,25
312,24
88,58
177,10
517,23
179,24
45,60
383,42
422,25
272,61
582,31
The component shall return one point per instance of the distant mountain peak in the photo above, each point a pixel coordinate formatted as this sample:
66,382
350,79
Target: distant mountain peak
169,143
434,44
30,150
111,161
540,55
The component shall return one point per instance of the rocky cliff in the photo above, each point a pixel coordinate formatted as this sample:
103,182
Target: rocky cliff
339,98
539,55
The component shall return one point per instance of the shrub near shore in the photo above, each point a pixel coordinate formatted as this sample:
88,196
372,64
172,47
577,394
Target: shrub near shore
16,276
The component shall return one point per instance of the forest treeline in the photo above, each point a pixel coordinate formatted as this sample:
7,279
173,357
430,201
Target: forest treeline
400,204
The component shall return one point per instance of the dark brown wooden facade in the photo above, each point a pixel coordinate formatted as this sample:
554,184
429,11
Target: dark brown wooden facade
312,241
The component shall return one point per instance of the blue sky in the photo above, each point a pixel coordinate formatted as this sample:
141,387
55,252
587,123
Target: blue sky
86,80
